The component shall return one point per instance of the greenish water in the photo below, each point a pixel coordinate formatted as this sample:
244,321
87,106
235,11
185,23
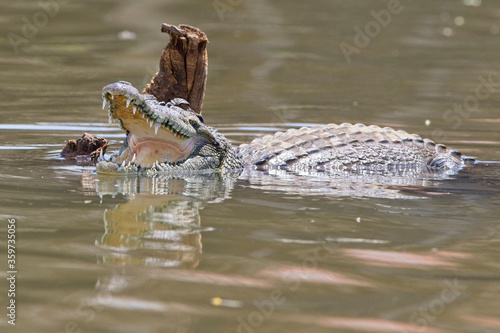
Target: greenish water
276,253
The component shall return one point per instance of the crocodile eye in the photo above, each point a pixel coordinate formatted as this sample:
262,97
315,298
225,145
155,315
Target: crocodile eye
200,118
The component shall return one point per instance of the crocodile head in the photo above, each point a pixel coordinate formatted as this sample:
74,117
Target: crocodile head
162,137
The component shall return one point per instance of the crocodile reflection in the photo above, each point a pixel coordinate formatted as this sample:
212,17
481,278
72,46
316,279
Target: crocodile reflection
160,224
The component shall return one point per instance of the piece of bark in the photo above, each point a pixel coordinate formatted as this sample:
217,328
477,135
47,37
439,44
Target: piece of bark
88,146
183,67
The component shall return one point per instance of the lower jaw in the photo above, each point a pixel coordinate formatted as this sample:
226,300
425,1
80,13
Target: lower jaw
124,165
147,158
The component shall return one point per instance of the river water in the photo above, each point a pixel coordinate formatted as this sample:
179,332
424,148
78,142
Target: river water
276,253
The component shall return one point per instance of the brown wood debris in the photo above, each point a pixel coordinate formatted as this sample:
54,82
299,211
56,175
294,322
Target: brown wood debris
183,67
88,146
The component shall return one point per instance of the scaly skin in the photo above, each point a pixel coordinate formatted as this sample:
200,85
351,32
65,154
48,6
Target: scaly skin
172,138
348,147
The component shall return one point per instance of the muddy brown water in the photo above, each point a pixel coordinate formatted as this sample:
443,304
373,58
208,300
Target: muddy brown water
131,254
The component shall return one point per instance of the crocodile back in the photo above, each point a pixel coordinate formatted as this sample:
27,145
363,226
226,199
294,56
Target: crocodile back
348,147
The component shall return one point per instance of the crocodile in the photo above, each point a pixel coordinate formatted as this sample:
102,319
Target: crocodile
169,137
166,133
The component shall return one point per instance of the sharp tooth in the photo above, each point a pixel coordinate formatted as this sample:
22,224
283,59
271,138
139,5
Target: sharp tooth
128,102
151,124
156,128
134,108
133,158
123,164
112,96
104,102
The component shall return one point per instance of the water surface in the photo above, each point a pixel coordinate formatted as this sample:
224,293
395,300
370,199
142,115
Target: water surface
275,253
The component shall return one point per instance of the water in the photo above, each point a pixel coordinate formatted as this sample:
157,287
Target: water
108,254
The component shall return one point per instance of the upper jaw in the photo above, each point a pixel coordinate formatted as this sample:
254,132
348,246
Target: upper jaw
124,98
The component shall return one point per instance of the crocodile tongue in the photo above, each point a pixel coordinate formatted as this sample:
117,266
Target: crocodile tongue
149,142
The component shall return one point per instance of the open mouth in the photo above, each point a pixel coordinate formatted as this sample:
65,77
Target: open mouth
153,136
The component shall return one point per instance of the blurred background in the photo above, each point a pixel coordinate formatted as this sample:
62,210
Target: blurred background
189,255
